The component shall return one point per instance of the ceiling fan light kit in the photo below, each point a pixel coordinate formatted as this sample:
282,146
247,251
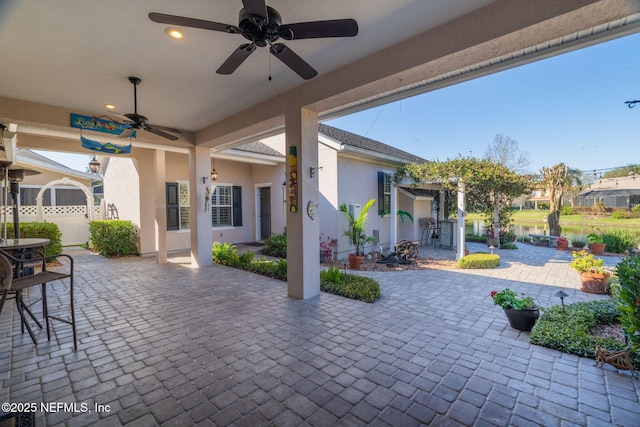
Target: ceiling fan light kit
262,26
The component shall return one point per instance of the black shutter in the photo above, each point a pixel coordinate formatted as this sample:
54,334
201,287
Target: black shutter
381,206
173,206
236,195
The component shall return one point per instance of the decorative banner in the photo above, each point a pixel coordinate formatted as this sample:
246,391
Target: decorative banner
293,179
105,148
99,125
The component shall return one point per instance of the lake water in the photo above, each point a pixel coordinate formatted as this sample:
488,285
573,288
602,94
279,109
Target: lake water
477,227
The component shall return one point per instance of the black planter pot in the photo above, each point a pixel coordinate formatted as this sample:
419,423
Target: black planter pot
522,320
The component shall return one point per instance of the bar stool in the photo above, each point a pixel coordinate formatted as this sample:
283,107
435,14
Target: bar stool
429,226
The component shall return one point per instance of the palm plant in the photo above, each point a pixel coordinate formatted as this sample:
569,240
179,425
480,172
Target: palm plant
356,232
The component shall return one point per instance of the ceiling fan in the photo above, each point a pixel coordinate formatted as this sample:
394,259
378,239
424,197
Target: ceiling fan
262,26
138,121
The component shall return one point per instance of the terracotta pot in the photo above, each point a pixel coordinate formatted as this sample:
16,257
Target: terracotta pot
597,248
562,244
594,283
355,261
493,242
523,320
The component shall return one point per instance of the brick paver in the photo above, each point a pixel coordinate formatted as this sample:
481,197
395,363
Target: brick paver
170,345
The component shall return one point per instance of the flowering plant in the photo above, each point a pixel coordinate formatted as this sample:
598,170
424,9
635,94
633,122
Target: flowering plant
584,262
562,239
327,245
507,298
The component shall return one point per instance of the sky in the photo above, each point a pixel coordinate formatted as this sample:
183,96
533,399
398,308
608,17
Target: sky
569,108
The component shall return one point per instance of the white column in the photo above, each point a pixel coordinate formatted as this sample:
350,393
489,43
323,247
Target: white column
394,216
159,166
199,220
461,215
303,229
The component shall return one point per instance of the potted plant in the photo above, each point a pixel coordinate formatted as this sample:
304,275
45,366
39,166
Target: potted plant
596,244
356,233
327,246
562,243
521,311
578,242
593,277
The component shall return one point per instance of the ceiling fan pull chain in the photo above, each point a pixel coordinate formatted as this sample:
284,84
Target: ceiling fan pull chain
269,56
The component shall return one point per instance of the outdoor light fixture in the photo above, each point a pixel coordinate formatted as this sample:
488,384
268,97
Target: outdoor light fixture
632,104
94,165
561,295
214,174
313,171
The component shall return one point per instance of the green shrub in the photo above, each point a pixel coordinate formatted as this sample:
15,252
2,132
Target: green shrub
479,260
569,331
628,296
507,237
351,286
476,239
40,230
224,253
622,214
566,210
635,209
113,237
619,240
276,245
508,245
332,274
331,281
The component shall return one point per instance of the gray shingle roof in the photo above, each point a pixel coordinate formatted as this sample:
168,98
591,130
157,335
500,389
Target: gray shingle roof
260,148
364,143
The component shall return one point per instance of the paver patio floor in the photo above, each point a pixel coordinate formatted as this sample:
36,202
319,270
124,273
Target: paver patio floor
170,345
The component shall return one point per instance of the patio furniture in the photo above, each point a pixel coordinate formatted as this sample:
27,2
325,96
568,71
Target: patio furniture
19,282
429,229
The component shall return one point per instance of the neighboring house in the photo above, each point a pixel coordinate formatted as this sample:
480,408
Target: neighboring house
248,201
618,193
67,196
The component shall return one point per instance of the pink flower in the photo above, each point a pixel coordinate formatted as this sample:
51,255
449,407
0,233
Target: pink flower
493,293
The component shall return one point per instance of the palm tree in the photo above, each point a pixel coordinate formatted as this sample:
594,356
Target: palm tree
356,232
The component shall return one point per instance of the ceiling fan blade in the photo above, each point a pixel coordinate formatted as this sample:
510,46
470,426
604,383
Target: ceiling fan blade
163,128
160,133
293,61
256,8
118,117
319,29
183,21
126,133
237,57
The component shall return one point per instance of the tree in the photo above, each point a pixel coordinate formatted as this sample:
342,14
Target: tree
557,179
505,151
490,187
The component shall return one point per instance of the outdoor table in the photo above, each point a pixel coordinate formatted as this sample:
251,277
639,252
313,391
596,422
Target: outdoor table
20,252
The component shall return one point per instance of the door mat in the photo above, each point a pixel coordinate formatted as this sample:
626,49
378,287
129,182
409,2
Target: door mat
254,244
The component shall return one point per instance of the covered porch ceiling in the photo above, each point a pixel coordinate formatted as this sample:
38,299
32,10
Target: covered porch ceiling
63,57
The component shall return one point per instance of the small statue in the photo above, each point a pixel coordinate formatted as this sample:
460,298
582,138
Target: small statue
618,359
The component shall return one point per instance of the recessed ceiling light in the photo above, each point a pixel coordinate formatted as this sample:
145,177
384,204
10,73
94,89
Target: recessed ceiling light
174,33
109,106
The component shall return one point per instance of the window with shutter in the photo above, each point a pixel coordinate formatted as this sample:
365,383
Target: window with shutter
384,193
173,206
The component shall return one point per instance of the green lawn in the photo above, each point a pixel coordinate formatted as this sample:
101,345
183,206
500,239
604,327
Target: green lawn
535,217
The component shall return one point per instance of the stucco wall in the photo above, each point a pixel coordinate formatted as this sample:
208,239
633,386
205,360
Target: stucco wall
121,190
358,184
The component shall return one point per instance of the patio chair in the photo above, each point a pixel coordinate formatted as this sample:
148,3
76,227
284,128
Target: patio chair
42,277
429,227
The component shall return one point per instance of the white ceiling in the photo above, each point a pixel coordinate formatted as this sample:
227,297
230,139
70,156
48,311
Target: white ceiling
78,55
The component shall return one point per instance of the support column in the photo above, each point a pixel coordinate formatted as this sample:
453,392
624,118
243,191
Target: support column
461,216
394,216
159,166
303,224
199,219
